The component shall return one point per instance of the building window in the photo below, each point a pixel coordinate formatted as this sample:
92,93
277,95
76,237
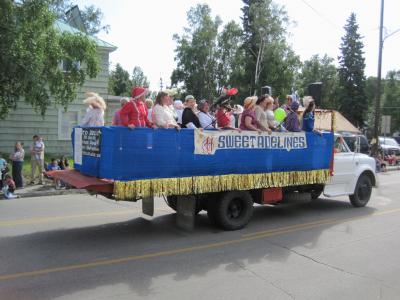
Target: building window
67,120
65,65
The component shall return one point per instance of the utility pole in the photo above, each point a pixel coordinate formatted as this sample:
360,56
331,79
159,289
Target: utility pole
378,84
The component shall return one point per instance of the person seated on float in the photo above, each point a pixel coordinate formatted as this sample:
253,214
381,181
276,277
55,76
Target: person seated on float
135,113
189,117
207,121
163,116
224,116
308,114
260,111
249,120
149,104
287,106
178,107
292,122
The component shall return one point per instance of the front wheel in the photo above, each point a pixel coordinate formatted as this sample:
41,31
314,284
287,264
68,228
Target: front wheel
362,192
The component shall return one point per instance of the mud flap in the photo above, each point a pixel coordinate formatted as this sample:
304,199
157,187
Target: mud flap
185,212
148,206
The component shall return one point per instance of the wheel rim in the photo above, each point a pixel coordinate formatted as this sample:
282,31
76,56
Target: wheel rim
364,191
235,208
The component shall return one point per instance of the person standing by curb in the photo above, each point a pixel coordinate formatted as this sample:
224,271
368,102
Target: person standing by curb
17,159
37,158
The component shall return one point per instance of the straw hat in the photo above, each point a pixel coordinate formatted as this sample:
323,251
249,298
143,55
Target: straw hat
250,102
95,100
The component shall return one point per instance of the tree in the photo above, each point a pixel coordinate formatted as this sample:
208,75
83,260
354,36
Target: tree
230,55
91,16
352,98
323,70
269,59
196,53
30,54
119,83
391,99
138,78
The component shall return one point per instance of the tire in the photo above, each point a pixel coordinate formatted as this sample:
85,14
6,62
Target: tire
172,202
232,211
362,192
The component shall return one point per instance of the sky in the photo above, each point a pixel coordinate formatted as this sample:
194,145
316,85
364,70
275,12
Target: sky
143,30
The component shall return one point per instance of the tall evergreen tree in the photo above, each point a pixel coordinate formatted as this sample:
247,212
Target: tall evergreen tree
352,97
269,58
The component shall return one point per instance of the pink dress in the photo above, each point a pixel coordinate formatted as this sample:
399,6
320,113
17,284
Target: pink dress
252,115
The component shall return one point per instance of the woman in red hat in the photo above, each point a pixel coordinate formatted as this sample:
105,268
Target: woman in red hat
134,113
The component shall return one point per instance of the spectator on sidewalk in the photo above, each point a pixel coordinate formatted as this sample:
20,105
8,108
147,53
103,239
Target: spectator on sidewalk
17,158
53,166
37,158
9,187
63,163
3,171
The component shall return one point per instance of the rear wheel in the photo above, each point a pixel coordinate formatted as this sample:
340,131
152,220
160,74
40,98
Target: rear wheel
232,211
362,192
316,192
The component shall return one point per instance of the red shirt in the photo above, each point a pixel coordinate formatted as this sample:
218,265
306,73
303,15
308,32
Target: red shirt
223,118
135,113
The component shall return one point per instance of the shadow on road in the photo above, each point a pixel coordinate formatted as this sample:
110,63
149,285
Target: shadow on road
64,247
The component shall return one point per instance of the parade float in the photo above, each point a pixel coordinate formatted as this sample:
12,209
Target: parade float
221,171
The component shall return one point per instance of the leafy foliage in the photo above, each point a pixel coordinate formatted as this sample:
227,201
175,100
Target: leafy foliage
138,78
391,99
30,56
196,53
269,59
120,84
352,97
323,70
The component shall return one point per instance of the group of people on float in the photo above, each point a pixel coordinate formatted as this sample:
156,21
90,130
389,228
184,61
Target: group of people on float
256,114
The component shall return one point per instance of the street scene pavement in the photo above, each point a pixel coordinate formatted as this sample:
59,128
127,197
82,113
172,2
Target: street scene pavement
78,246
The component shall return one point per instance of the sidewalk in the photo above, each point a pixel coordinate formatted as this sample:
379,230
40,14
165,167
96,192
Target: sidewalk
48,189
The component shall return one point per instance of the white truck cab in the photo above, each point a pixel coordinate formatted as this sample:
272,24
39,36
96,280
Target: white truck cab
353,174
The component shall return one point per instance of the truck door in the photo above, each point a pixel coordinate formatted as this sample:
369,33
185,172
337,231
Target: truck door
343,170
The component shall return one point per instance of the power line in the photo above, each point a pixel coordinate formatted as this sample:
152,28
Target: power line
322,16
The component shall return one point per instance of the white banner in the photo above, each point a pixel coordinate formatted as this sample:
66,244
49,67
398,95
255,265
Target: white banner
206,142
78,146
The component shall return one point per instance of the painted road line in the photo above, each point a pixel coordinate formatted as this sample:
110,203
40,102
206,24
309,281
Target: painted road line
274,232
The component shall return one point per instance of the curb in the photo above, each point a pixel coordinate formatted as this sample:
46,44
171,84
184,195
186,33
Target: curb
51,193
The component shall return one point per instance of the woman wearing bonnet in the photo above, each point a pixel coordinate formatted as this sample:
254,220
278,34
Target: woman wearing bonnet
95,112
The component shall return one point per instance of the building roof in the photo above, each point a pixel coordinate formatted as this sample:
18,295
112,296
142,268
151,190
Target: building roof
323,121
64,27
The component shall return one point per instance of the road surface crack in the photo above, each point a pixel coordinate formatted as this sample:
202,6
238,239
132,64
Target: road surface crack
265,280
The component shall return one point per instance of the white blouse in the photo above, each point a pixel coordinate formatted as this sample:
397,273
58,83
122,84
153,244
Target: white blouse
163,116
93,117
207,121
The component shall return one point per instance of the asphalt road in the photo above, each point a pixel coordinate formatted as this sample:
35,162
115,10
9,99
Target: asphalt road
82,247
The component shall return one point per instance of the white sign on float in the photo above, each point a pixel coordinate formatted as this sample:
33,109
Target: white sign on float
78,146
207,142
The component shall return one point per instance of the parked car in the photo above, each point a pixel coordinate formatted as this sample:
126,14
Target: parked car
352,139
390,149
